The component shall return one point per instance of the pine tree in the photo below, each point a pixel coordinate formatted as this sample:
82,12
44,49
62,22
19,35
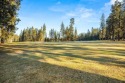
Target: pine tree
102,26
67,33
62,31
34,34
21,36
71,28
55,36
118,21
75,34
52,34
8,18
40,34
44,30
58,36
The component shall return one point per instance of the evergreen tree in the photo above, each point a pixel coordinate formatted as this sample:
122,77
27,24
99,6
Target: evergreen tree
58,36
75,35
102,26
67,33
62,31
115,22
34,34
55,36
21,36
8,18
71,28
44,30
52,34
40,35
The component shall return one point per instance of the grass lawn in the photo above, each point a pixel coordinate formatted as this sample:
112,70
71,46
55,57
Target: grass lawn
67,62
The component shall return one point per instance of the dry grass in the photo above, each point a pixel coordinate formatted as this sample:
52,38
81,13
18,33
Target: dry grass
76,62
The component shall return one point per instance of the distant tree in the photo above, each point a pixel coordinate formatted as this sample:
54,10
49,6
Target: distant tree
21,36
44,30
55,36
62,31
102,27
81,37
34,34
15,38
40,35
71,28
67,33
90,35
30,34
52,34
24,36
75,35
95,32
58,36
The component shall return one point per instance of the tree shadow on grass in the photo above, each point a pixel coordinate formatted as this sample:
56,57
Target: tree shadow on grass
117,52
46,46
26,70
100,59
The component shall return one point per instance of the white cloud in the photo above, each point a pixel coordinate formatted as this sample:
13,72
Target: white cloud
85,13
79,12
84,17
113,1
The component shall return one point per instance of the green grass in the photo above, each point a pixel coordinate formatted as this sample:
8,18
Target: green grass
67,62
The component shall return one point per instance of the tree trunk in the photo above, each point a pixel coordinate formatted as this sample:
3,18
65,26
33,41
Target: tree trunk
113,35
2,40
118,36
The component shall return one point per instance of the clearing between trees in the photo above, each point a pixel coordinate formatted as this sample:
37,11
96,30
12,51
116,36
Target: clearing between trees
63,62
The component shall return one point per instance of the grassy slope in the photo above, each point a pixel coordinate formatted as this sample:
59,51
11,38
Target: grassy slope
78,62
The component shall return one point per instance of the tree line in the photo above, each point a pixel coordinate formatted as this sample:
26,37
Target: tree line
65,33
92,34
33,34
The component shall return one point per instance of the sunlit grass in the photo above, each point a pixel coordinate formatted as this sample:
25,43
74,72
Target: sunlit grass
78,62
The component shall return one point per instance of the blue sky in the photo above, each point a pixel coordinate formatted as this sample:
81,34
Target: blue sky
87,13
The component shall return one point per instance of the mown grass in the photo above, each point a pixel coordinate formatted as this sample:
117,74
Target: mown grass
67,62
